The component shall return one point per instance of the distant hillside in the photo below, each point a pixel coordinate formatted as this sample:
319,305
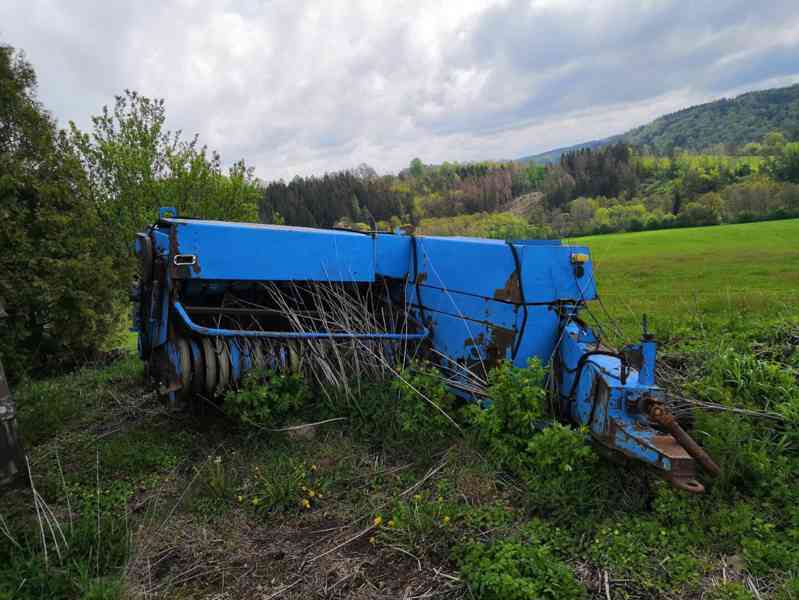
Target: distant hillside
746,118
553,156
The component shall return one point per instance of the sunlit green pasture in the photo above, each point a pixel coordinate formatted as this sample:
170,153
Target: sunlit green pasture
747,270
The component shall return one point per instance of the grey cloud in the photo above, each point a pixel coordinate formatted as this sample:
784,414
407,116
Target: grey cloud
308,87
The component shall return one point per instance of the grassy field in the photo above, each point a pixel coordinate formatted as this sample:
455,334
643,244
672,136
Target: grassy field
133,501
746,271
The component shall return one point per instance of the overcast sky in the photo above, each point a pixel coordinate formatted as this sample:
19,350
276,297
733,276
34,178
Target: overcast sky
307,87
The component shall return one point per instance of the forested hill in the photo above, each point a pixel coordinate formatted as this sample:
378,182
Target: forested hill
725,122
730,122
553,156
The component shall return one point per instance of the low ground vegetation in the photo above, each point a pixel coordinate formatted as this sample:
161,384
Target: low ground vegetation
133,500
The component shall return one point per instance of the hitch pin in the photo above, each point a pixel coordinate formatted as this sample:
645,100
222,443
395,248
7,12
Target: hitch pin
661,416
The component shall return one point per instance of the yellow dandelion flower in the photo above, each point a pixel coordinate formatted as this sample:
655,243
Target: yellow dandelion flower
256,501
378,521
391,523
445,520
306,503
311,493
372,540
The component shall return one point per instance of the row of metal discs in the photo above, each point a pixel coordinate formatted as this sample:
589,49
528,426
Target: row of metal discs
210,366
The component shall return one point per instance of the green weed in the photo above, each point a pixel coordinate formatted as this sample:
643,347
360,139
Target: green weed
731,590
266,397
510,570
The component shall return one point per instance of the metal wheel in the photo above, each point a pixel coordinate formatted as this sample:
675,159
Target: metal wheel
184,356
223,364
209,356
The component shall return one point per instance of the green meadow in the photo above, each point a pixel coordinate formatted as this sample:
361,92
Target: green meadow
746,270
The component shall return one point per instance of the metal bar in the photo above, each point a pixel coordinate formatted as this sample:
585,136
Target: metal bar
214,331
216,310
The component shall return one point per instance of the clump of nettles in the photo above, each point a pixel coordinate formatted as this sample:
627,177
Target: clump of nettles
554,460
266,397
514,570
413,409
423,403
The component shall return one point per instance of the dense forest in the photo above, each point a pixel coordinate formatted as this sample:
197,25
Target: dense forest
609,189
726,124
360,197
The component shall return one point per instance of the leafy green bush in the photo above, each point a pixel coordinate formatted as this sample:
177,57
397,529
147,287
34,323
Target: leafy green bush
54,274
767,548
516,406
423,418
636,547
414,410
562,470
266,397
731,590
556,462
509,570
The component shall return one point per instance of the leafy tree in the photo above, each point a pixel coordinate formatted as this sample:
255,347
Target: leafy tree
417,167
135,165
785,166
773,143
54,274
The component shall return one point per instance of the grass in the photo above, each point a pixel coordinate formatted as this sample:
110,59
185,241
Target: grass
748,271
161,505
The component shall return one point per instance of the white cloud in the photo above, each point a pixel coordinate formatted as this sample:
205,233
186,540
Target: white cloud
309,87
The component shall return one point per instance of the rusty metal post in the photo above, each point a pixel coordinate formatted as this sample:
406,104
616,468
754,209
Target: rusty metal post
662,417
11,457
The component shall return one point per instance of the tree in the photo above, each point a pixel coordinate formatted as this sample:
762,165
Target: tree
417,167
135,165
785,166
582,212
364,171
55,277
773,143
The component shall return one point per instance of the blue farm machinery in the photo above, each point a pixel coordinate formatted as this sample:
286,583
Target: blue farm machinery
215,299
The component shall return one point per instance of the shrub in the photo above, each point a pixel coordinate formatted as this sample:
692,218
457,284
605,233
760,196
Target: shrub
555,460
266,397
54,273
423,418
516,406
412,410
509,570
562,473
636,547
730,590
